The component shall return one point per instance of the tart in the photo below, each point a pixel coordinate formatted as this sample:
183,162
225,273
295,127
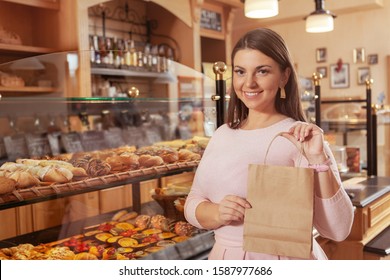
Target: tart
151,231
166,243
179,239
166,235
154,249
127,242
124,226
103,236
114,239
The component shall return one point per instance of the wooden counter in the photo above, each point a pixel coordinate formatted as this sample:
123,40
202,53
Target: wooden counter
371,198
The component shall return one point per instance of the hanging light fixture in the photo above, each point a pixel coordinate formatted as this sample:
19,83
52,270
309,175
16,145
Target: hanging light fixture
261,8
320,20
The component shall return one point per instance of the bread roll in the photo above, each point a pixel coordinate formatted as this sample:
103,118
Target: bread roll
123,162
24,179
142,221
183,228
187,155
128,216
159,222
56,174
150,161
7,185
76,171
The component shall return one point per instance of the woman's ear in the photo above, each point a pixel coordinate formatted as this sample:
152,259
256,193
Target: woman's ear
286,75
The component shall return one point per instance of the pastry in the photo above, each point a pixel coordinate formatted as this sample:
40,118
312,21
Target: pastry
24,179
159,222
60,253
142,221
187,155
123,162
129,216
184,228
85,256
76,171
97,167
150,161
118,214
7,185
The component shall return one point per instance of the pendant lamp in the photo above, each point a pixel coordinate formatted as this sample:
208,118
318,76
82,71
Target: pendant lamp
320,20
261,8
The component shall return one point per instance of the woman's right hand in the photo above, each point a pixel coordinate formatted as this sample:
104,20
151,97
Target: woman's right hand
232,209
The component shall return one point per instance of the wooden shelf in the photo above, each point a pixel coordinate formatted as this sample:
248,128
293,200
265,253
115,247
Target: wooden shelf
21,49
28,89
125,72
46,4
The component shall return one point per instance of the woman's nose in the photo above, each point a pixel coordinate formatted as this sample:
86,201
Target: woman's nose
250,81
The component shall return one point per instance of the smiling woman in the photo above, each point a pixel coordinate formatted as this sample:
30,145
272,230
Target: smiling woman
264,102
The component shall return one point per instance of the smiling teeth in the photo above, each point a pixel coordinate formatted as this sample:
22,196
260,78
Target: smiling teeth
251,93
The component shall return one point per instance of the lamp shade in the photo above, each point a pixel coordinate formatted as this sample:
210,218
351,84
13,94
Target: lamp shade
261,8
317,23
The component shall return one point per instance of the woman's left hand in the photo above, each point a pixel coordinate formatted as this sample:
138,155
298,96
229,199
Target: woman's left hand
311,138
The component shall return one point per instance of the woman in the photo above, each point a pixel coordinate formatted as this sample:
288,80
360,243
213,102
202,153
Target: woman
264,101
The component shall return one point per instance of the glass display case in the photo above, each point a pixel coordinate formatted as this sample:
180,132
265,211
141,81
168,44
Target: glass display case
100,169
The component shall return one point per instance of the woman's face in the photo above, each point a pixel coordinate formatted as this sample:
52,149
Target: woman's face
256,79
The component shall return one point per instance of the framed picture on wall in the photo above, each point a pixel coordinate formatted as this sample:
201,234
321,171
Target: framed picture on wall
359,55
323,71
339,75
362,74
372,59
321,55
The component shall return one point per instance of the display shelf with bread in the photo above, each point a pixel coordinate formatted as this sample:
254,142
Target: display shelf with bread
67,160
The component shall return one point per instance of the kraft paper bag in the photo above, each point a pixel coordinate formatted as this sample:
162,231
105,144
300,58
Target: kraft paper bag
280,221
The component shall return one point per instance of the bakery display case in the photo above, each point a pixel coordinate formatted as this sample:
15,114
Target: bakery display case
102,176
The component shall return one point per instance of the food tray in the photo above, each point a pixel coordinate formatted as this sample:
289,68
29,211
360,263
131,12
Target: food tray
115,179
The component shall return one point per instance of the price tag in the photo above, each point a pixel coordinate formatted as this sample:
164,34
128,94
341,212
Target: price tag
114,137
3,152
153,135
134,136
93,140
54,142
16,147
71,142
38,145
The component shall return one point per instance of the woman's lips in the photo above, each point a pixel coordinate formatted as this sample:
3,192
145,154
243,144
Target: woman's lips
251,94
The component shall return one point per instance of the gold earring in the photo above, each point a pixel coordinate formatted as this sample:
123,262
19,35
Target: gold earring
282,93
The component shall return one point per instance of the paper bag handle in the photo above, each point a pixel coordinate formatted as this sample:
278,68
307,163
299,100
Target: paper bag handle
302,152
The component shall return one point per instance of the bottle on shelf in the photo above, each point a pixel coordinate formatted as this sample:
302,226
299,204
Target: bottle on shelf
115,52
155,62
127,55
147,57
133,54
96,53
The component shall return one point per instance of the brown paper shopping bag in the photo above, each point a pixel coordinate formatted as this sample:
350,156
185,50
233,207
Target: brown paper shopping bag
280,221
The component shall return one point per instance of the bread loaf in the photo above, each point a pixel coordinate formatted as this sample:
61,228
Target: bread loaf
7,185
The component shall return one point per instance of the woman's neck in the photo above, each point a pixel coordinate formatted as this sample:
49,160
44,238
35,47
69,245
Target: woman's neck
261,120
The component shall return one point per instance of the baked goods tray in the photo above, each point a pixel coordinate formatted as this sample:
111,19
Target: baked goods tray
46,192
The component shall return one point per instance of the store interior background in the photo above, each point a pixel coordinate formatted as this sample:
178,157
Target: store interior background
68,27
359,24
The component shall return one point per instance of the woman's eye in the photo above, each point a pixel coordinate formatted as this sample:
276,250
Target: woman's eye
262,72
239,72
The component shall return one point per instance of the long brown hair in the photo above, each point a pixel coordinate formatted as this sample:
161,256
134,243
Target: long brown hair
272,45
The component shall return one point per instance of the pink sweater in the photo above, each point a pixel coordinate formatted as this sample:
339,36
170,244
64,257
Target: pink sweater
224,170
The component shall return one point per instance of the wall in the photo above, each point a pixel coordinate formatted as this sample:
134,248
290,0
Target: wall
363,27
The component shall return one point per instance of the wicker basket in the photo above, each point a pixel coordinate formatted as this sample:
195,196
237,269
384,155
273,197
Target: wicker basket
167,202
